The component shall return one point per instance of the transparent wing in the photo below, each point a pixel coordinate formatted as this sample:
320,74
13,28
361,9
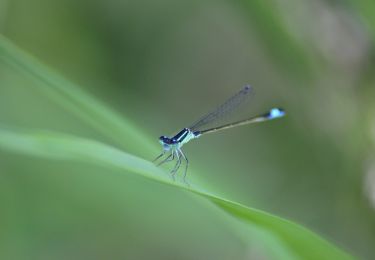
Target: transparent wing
225,109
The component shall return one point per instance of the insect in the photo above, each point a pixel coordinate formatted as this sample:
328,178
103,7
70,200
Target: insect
172,145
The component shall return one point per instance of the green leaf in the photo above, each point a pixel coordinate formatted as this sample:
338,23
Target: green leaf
302,242
298,240
75,100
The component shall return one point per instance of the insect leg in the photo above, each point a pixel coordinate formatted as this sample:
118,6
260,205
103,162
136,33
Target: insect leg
186,165
159,156
169,158
177,166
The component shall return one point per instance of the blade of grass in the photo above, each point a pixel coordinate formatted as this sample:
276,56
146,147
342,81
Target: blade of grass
299,240
75,100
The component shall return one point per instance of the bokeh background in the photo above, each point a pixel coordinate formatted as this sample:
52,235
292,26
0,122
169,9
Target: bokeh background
162,64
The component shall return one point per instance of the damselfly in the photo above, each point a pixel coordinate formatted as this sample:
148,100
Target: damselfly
172,145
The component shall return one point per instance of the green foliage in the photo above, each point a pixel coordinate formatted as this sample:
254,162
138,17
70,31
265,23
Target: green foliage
73,99
49,145
279,42
366,9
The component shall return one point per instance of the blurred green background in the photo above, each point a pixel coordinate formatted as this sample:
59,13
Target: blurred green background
161,64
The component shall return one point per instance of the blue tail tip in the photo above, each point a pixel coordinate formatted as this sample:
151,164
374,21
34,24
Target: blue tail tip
276,113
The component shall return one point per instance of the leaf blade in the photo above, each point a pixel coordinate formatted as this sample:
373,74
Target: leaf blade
301,241
74,99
